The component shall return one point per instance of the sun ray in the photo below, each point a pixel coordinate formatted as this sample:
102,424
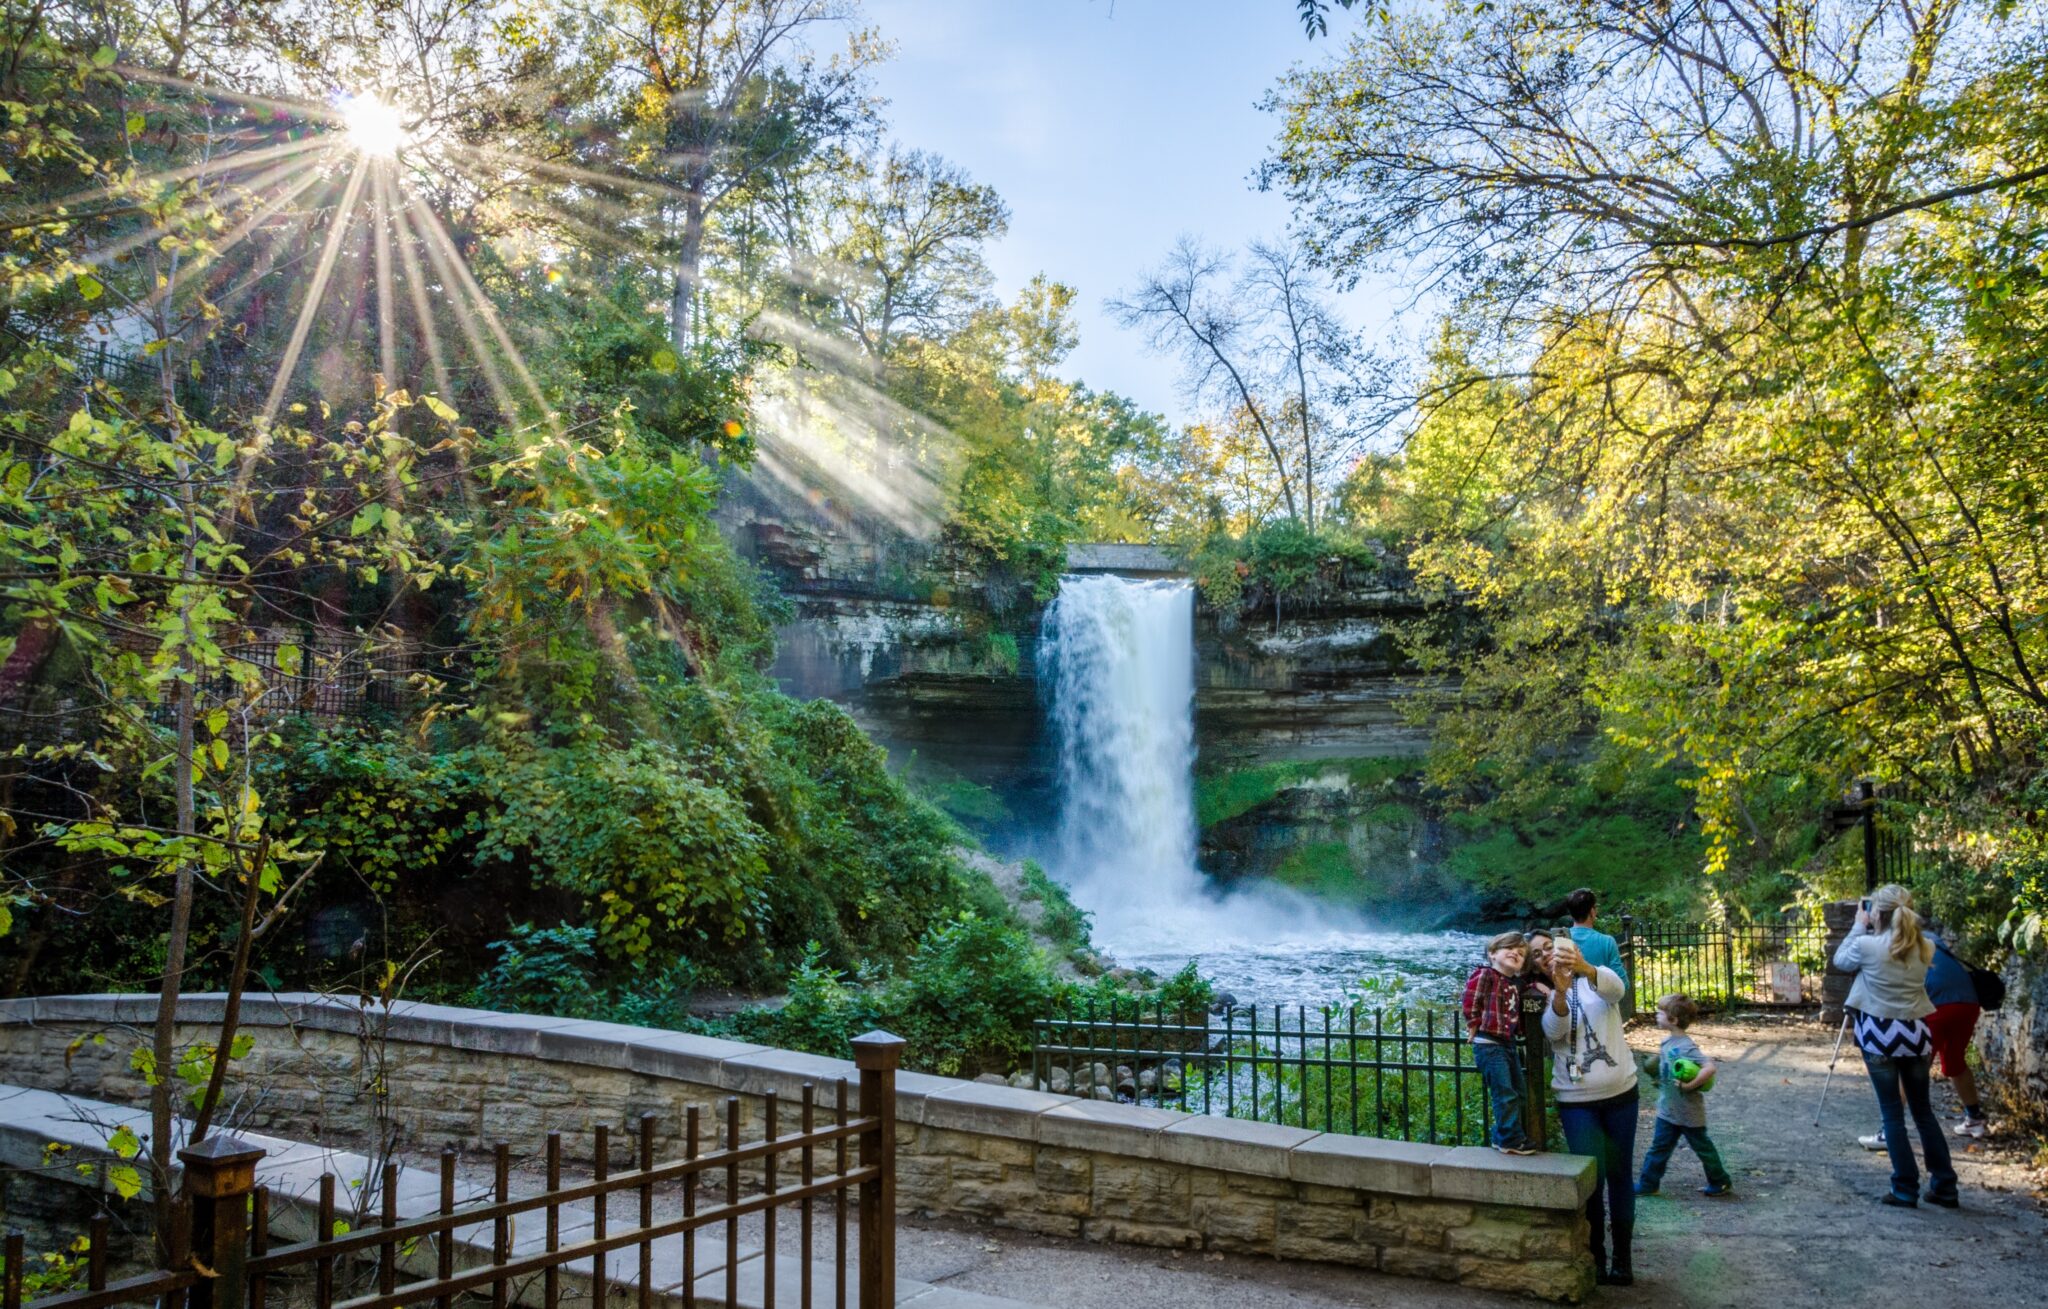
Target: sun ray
495,380
297,221
577,173
416,285
240,231
453,264
329,254
387,318
171,176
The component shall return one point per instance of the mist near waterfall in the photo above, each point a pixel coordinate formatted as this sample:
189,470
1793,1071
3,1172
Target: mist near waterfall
1116,656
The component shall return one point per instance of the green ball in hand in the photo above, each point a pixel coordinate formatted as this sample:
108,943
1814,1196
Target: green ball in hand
1684,1070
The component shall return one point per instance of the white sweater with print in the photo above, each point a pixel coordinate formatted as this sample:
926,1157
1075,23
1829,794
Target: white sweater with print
1590,1058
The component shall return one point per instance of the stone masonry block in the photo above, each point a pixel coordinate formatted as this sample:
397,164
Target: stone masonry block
1540,1181
1209,1182
1554,1240
1003,1150
687,1058
1426,1221
1230,1145
1230,1224
1319,1222
1124,1129
1044,1224
1144,1192
785,1072
996,1110
1365,1164
1489,1237
1404,1262
941,1140
1060,1171
1546,1279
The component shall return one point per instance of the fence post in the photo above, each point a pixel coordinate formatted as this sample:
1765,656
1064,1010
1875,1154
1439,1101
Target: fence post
220,1172
1866,797
877,1054
1728,949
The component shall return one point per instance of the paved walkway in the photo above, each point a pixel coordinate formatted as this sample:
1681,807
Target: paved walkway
1805,1228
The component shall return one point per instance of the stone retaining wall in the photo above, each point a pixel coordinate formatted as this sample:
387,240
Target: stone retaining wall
1053,1164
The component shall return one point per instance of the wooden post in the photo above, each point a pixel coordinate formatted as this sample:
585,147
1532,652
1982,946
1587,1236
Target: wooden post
1866,796
220,1172
876,1055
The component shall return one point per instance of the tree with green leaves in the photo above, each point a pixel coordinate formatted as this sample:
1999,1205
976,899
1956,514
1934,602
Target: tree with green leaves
1731,439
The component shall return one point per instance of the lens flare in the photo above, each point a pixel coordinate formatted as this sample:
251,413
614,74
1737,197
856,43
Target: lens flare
374,126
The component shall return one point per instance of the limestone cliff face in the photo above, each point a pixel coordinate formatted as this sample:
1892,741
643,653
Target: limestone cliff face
951,674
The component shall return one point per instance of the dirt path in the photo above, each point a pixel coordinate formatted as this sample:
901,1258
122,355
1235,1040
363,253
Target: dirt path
1804,1229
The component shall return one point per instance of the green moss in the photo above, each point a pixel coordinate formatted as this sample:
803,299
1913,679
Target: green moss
972,805
1323,868
1220,797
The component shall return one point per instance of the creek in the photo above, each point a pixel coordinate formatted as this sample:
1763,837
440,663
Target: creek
1116,662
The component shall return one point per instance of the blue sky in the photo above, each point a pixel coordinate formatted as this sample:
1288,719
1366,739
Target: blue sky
1111,129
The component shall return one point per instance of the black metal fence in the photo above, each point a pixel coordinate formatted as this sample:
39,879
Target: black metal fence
1405,1074
1726,965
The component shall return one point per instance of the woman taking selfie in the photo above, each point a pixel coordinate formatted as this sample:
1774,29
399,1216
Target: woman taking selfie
1889,1006
1593,1081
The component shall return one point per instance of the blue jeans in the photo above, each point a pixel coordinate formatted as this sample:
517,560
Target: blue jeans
1606,1130
1502,1072
1665,1138
1901,1084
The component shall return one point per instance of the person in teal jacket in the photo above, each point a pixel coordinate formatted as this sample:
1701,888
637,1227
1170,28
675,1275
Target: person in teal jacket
1595,946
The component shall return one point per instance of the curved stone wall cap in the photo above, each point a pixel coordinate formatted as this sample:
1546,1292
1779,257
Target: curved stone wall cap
1365,1163
997,1110
1109,1126
1537,1181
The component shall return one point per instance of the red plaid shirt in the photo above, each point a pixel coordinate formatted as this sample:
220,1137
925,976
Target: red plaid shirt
1493,1004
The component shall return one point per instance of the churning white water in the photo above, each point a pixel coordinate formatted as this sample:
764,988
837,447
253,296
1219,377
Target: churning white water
1117,658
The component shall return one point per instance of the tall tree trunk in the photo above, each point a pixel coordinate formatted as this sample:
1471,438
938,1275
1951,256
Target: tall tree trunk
688,271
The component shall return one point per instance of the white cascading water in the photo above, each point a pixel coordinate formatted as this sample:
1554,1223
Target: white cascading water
1118,656
1118,663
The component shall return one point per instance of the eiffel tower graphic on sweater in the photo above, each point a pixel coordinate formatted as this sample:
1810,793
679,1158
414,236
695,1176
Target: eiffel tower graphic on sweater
1584,1043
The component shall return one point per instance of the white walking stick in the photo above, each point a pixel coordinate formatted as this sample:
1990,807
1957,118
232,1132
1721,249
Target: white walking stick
1822,1107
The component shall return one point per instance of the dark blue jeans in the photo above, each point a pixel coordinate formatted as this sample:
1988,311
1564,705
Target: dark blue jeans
1606,1130
1502,1072
1901,1084
1665,1138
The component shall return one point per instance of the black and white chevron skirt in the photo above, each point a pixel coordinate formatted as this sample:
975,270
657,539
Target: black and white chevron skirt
1891,1037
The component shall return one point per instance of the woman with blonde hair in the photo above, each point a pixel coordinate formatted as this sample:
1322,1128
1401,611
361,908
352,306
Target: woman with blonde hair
1888,1005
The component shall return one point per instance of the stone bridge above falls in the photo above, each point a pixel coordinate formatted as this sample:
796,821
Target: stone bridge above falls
1124,558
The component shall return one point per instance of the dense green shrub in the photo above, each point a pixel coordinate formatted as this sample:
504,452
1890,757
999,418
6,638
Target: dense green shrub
549,971
1278,566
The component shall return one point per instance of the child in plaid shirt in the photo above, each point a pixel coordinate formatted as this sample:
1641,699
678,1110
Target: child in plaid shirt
1493,1014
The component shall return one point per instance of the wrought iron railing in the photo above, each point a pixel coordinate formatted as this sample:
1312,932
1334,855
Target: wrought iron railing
1769,965
220,1254
1404,1074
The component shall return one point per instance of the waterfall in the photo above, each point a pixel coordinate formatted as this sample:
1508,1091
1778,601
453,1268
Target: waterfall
1117,659
1117,656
